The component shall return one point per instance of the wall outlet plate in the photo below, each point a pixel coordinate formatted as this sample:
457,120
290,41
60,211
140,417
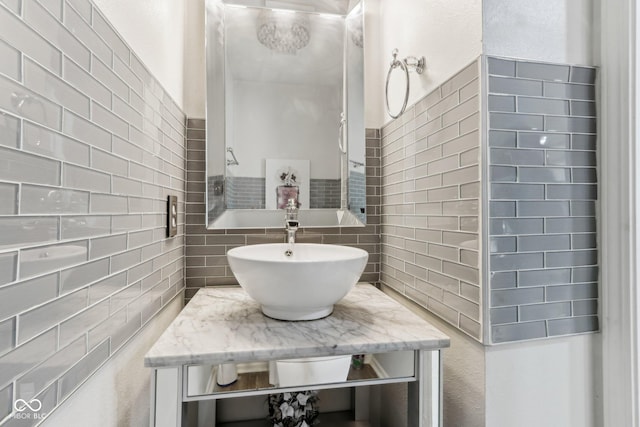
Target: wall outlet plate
172,216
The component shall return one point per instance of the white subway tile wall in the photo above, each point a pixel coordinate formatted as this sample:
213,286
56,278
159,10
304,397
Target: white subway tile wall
543,188
91,146
206,260
431,202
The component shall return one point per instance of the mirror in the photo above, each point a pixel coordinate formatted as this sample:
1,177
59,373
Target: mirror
285,112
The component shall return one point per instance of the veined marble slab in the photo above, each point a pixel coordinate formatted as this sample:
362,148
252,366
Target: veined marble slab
222,325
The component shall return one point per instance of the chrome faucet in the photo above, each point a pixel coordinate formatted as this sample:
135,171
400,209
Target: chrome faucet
291,222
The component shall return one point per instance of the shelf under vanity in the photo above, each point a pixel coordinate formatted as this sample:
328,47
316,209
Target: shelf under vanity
259,380
223,325
333,419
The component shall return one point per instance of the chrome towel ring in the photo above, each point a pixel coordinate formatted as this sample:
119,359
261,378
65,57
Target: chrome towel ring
410,63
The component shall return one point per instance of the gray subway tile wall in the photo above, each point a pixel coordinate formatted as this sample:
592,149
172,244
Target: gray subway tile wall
91,147
206,261
325,193
430,202
543,187
249,192
244,192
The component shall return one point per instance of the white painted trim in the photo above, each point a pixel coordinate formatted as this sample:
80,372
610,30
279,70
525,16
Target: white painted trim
619,207
485,196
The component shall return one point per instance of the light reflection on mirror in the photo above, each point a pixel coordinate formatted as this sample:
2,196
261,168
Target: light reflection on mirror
285,112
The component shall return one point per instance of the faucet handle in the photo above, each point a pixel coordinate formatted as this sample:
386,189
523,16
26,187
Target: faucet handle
291,210
291,217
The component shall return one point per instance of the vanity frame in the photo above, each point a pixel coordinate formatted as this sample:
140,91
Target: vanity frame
185,364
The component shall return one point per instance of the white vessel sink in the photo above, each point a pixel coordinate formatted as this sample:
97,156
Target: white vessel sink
302,286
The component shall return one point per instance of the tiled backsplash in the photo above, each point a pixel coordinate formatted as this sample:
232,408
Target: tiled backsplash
430,202
215,188
244,192
358,194
206,249
324,193
543,188
249,193
90,147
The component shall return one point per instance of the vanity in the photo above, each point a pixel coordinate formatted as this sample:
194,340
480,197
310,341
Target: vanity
222,326
286,145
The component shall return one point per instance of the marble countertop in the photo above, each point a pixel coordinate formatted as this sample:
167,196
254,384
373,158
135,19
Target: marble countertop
222,325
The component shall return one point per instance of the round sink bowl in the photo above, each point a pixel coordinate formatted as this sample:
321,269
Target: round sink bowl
302,285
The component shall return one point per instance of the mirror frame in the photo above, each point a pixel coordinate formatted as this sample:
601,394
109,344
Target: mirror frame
217,215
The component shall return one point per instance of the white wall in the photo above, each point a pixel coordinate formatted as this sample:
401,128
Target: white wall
617,55
119,393
285,121
464,379
372,59
415,27
531,384
544,383
194,59
447,32
155,31
463,376
195,70
545,30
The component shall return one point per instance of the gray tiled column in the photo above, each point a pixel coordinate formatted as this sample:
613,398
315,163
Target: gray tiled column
534,211
542,193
